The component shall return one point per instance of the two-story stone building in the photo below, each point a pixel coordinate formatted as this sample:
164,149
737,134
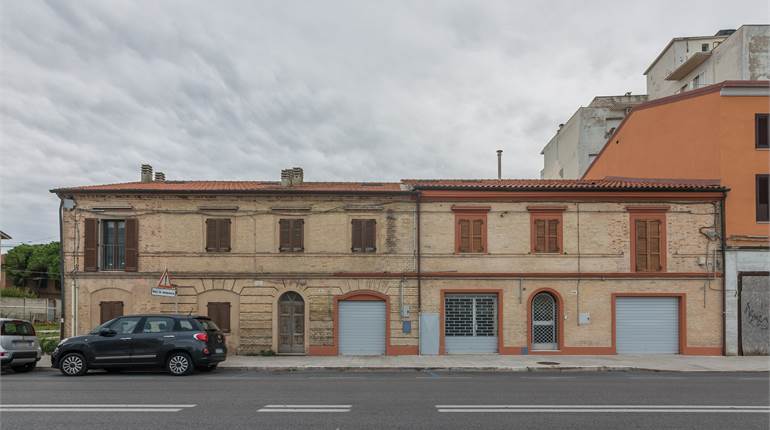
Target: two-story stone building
493,266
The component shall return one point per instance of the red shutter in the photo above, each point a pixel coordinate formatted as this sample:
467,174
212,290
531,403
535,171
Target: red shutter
132,245
653,234
641,246
553,235
465,235
224,235
357,239
91,247
540,235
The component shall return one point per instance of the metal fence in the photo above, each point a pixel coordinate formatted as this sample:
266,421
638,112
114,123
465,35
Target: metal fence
36,310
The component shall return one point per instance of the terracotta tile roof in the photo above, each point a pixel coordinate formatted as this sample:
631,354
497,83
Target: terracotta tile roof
246,187
226,187
607,184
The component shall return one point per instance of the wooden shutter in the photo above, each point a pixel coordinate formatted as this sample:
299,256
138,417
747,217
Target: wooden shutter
223,231
219,312
465,235
357,236
298,235
477,242
540,229
91,247
369,235
132,245
653,245
553,235
211,235
284,239
641,246
110,310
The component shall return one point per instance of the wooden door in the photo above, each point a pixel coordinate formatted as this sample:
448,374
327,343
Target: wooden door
291,323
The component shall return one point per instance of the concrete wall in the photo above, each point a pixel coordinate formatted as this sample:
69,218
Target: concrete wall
736,262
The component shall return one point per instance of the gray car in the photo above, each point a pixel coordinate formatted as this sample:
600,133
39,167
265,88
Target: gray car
19,347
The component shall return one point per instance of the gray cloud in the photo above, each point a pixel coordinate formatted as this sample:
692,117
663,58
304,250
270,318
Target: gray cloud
349,90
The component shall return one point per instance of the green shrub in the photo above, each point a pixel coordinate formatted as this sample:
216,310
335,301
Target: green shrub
18,292
48,344
267,353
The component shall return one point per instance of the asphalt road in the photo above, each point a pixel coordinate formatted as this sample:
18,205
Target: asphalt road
239,399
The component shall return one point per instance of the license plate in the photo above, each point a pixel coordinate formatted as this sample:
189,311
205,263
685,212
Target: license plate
219,350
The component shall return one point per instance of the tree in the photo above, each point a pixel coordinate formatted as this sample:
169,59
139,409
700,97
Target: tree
32,262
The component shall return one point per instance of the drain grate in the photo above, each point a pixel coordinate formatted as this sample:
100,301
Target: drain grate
548,363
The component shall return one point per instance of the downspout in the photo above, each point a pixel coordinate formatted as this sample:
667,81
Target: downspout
61,269
419,255
724,272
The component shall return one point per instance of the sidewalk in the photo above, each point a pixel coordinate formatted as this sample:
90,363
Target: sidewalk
507,363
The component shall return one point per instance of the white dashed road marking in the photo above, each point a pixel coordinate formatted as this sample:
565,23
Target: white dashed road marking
306,408
682,409
92,408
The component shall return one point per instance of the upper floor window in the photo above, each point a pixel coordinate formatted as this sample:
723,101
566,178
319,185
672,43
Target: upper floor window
364,236
546,229
762,191
648,239
218,235
470,229
292,235
111,244
762,132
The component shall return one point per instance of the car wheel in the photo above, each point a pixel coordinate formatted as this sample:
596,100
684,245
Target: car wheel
25,368
179,364
207,368
73,364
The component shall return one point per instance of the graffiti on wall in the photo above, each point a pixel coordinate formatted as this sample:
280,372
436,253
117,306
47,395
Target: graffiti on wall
755,315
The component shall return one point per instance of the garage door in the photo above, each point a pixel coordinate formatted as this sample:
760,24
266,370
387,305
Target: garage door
362,327
470,323
647,325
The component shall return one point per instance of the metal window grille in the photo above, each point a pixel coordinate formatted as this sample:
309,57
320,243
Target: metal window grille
543,319
470,315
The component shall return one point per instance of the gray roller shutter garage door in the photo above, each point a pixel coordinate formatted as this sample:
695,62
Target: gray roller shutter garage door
362,327
647,325
470,323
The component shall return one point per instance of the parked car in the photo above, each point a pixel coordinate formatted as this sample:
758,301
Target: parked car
19,347
178,343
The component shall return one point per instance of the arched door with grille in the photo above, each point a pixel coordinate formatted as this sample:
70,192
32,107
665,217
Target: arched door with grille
544,320
291,323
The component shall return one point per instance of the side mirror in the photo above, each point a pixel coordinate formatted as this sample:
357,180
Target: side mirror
107,332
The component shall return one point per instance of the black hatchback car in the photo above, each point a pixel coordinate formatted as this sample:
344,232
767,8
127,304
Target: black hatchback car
178,343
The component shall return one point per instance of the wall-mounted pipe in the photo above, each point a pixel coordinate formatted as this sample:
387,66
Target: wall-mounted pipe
418,199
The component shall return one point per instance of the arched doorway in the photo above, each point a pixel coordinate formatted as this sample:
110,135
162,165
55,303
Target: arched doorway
291,323
544,323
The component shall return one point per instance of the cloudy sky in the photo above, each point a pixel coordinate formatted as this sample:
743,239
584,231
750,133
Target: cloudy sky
353,90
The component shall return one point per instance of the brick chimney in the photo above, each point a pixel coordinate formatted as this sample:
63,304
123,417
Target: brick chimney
293,176
160,177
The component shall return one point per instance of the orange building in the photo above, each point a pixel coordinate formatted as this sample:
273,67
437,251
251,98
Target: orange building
719,132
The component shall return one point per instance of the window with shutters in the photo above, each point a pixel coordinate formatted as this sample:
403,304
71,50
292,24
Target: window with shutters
648,240
218,235
111,245
219,312
546,229
762,191
364,235
291,235
470,229
762,131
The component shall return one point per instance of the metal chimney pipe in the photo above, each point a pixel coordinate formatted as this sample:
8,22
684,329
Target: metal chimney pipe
499,164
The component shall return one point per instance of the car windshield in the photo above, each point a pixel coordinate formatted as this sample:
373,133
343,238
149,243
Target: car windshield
17,328
208,325
102,325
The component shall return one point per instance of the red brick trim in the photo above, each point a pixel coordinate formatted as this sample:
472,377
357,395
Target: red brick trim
547,209
549,196
472,209
498,292
471,216
533,275
542,214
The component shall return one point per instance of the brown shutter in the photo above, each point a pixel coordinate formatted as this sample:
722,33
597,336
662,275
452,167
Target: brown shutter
219,312
653,234
132,245
298,235
477,235
285,235
224,235
370,235
641,246
211,235
357,239
465,235
553,235
91,258
539,235
110,310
